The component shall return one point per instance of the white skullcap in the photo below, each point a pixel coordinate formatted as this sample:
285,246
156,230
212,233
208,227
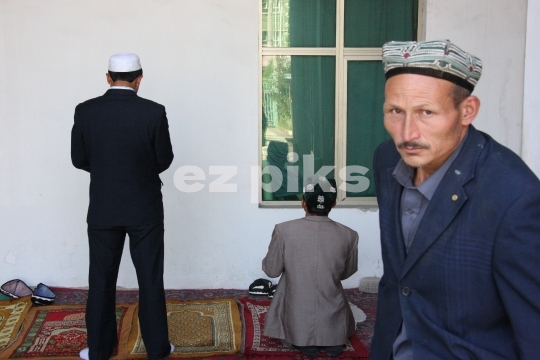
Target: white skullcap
124,62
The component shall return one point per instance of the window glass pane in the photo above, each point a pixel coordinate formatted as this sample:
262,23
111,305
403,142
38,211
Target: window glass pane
365,128
298,23
371,23
298,122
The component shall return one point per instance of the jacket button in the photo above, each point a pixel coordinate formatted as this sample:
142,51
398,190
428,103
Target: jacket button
406,291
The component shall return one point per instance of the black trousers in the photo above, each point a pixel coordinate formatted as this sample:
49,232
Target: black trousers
146,248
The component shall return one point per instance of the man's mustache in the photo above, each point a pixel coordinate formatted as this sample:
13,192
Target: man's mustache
412,144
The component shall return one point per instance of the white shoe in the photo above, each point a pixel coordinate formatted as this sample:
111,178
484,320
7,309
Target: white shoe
83,354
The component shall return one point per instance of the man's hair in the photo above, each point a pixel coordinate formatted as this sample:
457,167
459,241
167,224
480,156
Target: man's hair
313,210
125,76
458,94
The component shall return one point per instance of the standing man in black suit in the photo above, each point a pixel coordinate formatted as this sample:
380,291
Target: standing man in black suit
123,141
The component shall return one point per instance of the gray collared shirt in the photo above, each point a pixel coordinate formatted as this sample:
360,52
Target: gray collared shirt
414,202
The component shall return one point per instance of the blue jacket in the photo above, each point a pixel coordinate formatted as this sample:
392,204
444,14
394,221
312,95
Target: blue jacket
470,286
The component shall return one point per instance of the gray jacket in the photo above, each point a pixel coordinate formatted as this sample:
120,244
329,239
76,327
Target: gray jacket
313,255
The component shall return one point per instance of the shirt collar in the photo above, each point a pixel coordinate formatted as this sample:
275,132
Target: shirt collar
122,88
404,173
316,218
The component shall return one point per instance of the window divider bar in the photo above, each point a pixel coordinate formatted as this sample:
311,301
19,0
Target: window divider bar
260,102
340,146
422,15
299,51
363,52
362,58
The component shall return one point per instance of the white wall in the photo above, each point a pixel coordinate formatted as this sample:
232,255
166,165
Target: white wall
531,118
493,30
200,61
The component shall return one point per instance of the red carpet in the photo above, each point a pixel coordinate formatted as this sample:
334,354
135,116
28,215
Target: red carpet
59,332
258,346
364,331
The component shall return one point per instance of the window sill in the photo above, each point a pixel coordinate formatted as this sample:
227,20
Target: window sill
364,204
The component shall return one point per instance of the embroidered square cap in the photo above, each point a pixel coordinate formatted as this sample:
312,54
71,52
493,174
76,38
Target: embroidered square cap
440,58
320,192
124,62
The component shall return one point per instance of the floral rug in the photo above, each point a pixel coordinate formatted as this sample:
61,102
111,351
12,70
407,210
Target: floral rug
202,328
259,346
12,315
365,301
59,332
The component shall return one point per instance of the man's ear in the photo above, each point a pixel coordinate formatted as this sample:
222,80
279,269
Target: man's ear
137,83
109,79
469,109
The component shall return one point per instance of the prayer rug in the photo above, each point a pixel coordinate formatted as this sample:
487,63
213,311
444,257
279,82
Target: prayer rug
12,315
368,303
59,332
259,346
199,328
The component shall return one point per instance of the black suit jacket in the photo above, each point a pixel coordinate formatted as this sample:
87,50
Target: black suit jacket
123,141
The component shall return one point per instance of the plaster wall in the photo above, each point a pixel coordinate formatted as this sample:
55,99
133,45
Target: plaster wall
200,60
495,32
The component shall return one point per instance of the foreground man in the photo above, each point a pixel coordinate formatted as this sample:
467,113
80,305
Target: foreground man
459,219
123,141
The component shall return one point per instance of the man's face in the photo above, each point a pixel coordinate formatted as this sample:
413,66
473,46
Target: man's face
420,116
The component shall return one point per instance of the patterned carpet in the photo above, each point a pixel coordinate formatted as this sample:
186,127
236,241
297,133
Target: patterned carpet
257,344
12,315
59,332
203,327
365,301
